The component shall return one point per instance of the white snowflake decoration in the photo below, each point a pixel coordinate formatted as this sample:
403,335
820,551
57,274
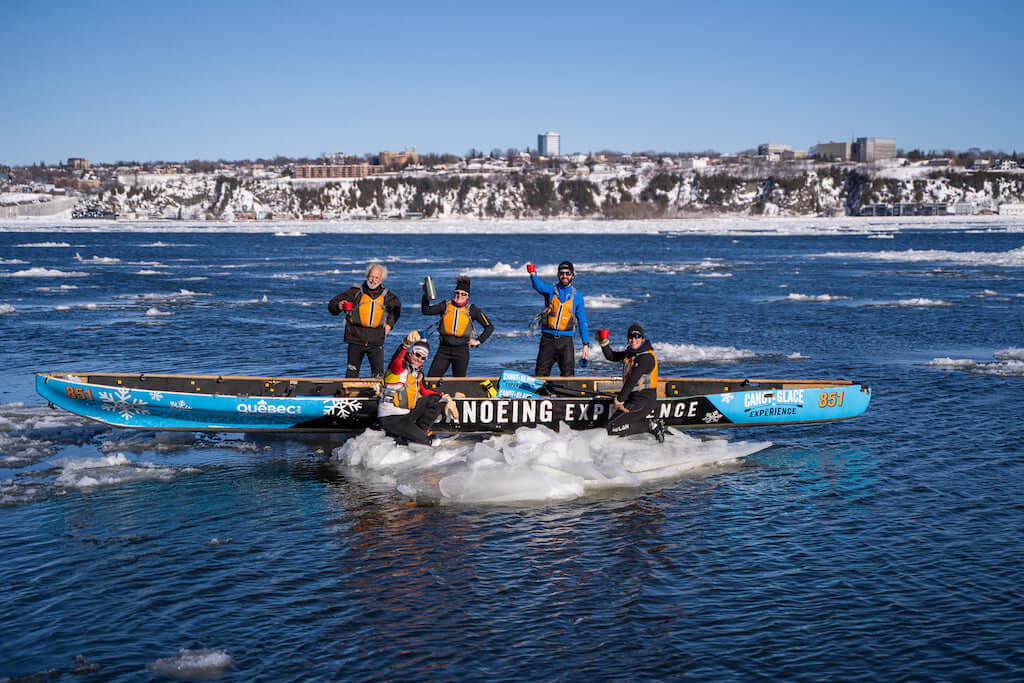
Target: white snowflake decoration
122,403
180,405
726,398
712,417
341,407
156,396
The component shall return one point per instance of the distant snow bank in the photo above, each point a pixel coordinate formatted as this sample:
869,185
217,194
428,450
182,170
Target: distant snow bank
725,225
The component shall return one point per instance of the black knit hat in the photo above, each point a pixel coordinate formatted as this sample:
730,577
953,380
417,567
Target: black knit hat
635,327
567,265
462,284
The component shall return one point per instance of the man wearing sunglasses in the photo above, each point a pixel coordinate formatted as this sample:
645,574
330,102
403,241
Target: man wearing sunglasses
456,329
563,314
407,407
634,407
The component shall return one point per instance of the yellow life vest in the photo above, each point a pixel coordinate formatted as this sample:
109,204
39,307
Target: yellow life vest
560,314
646,381
455,321
369,310
402,390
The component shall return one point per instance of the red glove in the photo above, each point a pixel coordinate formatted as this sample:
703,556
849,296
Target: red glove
603,334
347,305
530,268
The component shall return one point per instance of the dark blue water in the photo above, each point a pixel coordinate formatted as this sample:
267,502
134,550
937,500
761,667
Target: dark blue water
883,548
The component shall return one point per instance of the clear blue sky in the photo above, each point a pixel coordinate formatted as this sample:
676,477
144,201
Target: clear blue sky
174,81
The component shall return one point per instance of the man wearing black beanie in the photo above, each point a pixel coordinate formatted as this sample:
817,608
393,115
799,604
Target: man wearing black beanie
563,314
633,408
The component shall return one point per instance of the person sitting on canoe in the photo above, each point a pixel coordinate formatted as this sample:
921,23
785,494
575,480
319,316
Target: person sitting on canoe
456,329
371,311
563,313
407,407
638,397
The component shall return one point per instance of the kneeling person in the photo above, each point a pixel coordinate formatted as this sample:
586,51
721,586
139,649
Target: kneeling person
639,394
407,407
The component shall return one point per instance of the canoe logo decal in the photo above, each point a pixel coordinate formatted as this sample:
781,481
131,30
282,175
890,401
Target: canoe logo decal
121,402
264,408
342,407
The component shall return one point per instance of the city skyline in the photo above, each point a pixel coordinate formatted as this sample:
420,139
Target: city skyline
121,81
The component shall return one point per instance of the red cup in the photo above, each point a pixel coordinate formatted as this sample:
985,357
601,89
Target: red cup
347,305
530,268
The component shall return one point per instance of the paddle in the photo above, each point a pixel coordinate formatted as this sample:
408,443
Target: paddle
514,384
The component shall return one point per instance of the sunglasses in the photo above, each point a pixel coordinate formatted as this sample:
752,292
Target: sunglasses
636,335
459,294
421,356
564,272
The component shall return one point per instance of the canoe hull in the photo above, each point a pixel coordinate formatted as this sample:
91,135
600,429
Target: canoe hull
120,401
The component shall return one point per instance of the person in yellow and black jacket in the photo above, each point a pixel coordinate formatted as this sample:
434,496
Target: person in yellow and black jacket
633,409
371,311
456,329
407,407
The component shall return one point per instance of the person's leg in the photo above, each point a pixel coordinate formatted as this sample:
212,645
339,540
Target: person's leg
376,356
566,353
355,359
404,428
426,411
460,360
545,356
440,364
634,419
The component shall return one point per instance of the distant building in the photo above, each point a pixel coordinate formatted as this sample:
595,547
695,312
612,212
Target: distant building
549,144
392,159
693,163
768,149
344,171
78,163
867,150
793,154
833,151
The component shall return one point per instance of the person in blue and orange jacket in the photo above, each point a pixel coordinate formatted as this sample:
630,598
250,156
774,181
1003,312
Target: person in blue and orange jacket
407,408
456,329
371,311
564,313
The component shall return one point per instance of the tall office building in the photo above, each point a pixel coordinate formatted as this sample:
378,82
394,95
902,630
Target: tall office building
548,144
874,149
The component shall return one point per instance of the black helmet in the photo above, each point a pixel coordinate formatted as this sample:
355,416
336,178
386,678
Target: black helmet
567,265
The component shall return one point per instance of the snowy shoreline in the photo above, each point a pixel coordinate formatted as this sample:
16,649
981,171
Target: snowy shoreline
721,225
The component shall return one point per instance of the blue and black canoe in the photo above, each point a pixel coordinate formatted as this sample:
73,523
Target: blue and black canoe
212,403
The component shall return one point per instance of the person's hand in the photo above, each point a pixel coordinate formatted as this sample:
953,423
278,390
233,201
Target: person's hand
602,336
474,342
387,329
530,268
347,305
411,338
585,353
450,409
617,405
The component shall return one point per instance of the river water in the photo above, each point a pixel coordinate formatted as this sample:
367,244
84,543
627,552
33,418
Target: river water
882,548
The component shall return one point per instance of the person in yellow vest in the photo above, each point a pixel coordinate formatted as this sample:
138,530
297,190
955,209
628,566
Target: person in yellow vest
371,311
407,408
456,329
634,408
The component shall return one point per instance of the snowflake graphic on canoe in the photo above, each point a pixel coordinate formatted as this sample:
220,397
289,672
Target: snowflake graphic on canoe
180,405
726,398
121,402
712,417
156,396
341,407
